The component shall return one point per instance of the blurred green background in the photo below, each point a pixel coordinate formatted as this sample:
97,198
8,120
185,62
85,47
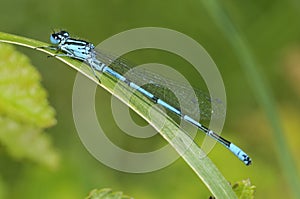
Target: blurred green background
271,28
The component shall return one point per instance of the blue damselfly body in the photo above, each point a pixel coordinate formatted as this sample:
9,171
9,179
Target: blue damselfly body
86,52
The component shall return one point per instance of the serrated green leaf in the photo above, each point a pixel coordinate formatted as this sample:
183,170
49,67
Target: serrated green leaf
21,95
244,189
24,110
27,141
106,194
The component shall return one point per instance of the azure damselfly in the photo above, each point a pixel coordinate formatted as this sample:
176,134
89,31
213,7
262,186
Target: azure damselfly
100,62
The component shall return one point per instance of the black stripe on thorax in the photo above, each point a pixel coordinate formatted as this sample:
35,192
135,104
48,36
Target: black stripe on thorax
76,42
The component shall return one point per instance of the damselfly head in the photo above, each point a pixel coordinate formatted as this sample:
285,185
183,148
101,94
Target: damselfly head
59,37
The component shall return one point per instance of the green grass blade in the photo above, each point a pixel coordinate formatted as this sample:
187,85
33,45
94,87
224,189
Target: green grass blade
175,136
261,90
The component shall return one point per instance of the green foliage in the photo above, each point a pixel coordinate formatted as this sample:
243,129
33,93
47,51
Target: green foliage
271,29
24,110
106,194
244,189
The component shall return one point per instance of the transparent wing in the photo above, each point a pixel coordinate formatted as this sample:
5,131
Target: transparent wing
177,94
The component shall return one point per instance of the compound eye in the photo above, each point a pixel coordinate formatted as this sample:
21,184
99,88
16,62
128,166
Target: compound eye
54,39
